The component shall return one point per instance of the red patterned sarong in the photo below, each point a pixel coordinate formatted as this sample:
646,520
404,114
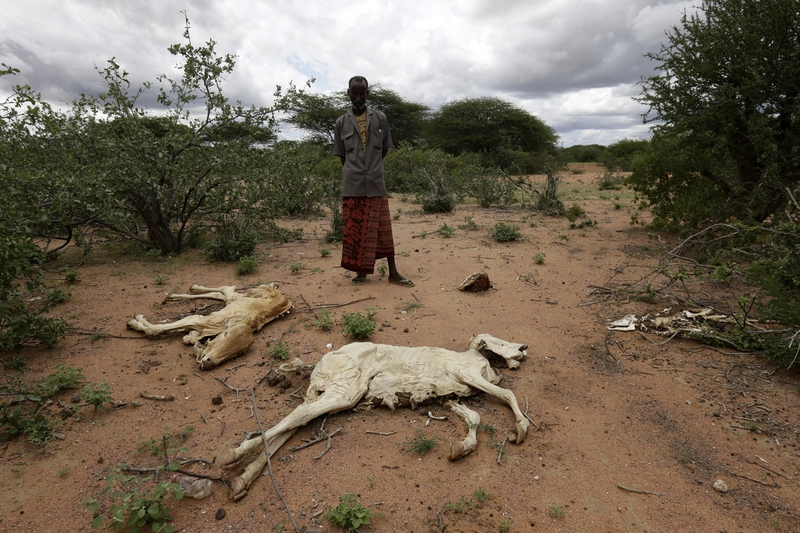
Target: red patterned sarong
367,233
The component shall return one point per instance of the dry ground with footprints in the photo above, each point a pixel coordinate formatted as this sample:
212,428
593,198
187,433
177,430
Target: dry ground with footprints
632,429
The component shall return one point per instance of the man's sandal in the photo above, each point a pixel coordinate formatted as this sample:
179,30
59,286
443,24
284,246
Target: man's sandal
402,282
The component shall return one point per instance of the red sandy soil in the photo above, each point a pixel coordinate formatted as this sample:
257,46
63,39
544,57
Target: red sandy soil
632,431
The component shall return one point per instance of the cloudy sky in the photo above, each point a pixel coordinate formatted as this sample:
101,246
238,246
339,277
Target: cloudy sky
572,63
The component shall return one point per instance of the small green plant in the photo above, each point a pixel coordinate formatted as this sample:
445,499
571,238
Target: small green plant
349,514
324,320
462,505
160,279
555,511
246,265
574,212
97,394
419,444
405,253
408,306
503,232
371,482
469,224
235,238
98,336
505,526
358,326
324,252
71,276
481,495
539,258
280,351
64,472
57,295
138,505
446,231
382,268
296,267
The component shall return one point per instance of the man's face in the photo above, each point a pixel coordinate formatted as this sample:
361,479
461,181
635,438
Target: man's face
358,94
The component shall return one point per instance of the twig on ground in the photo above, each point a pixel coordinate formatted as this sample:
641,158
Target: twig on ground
222,429
325,306
641,491
229,386
773,484
381,433
439,516
502,449
306,301
167,398
269,462
525,414
314,441
328,447
199,376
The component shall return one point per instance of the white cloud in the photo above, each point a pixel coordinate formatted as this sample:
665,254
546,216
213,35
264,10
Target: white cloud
573,63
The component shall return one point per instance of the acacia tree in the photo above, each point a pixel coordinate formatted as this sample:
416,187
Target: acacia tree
166,174
497,129
725,114
316,113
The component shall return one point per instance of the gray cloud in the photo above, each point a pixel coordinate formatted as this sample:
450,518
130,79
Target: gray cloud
573,63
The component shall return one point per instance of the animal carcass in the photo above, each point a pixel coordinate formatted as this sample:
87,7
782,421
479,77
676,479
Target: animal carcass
379,373
232,327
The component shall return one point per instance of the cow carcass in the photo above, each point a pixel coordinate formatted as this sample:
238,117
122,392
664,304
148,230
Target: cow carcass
367,373
230,330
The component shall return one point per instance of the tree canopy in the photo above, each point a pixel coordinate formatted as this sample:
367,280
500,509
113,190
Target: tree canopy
316,113
489,126
725,114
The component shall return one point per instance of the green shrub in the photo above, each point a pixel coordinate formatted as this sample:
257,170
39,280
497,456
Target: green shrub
97,394
358,326
349,514
280,350
246,265
439,202
503,232
235,239
324,320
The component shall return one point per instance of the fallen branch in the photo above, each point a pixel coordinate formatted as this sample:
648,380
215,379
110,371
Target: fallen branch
381,433
269,462
641,491
167,398
328,447
326,306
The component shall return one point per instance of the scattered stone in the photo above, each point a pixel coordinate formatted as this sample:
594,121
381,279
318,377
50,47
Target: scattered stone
273,379
75,399
220,514
405,330
329,346
99,460
720,486
216,400
286,384
385,324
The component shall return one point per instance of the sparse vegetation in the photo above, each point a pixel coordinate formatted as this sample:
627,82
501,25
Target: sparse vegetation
349,514
246,265
357,326
503,232
419,444
324,320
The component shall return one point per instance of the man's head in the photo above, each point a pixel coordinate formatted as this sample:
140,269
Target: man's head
358,90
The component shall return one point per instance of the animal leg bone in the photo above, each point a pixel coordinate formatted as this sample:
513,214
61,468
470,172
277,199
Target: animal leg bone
473,420
478,382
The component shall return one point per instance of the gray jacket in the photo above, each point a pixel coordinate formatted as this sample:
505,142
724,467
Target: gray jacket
362,173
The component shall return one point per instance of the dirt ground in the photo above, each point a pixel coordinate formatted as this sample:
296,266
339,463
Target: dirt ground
633,429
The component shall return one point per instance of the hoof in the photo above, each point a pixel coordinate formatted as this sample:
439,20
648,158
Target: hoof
456,451
238,489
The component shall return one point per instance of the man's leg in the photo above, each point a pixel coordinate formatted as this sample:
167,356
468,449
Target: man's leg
395,276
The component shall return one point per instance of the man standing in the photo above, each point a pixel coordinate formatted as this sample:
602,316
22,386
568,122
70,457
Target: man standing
361,139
